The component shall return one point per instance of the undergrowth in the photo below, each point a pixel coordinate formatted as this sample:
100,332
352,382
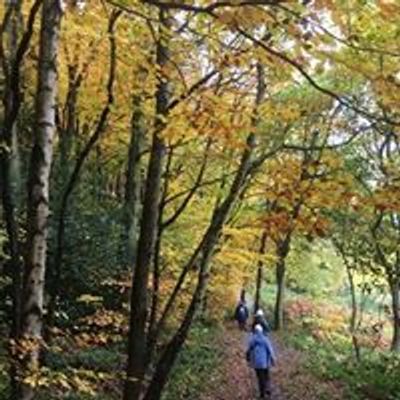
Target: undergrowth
330,356
201,354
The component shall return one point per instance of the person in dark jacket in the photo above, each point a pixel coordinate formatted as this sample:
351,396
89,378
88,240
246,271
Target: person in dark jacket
242,314
259,319
261,357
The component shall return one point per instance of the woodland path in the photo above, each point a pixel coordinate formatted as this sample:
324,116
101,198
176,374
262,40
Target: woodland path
290,379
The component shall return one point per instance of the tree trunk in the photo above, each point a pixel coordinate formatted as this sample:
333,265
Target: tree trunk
207,246
259,272
154,308
66,136
154,326
169,356
210,240
283,251
14,265
74,177
12,29
137,343
394,288
204,251
10,179
133,182
280,295
38,196
354,312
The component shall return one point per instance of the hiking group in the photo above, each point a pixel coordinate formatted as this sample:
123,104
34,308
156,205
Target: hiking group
260,353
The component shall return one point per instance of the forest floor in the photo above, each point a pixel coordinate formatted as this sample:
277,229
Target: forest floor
234,380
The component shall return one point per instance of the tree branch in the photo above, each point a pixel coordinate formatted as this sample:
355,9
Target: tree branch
341,100
191,192
211,7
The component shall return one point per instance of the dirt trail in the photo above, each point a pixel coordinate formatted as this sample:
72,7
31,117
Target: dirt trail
290,380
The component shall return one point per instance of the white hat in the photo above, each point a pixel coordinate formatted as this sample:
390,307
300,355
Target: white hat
258,328
259,312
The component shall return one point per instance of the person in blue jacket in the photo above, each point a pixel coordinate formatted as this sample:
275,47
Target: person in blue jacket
261,356
242,314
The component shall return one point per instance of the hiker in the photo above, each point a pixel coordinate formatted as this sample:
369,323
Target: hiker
261,357
259,319
242,314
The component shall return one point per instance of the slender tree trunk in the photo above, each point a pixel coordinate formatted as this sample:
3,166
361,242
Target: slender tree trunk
137,344
395,292
154,326
283,251
280,295
212,235
14,264
240,178
260,272
138,318
354,312
155,300
13,30
74,177
156,260
38,196
206,250
66,136
169,356
133,181
10,178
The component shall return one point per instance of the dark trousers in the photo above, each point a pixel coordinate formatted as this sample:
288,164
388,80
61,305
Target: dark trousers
263,382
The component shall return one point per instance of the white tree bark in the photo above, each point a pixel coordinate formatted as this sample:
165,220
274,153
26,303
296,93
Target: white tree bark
38,196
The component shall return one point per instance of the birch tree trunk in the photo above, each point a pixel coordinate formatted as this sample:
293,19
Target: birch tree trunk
38,197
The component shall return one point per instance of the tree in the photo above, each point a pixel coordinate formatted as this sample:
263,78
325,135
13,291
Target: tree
73,178
148,230
29,343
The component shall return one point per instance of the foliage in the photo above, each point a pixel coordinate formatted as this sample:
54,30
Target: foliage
315,269
321,333
305,89
200,356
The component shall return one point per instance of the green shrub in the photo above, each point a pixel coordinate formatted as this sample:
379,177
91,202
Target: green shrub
200,355
95,359
375,377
